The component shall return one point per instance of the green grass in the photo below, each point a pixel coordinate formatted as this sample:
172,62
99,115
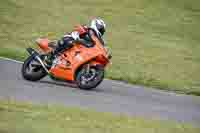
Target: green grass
154,42
23,118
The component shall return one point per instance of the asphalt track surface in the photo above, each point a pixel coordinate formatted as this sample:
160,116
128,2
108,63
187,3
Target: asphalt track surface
110,96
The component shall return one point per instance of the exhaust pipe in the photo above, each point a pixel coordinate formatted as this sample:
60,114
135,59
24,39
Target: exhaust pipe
31,51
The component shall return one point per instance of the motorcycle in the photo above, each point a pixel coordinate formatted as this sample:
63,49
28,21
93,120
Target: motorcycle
81,65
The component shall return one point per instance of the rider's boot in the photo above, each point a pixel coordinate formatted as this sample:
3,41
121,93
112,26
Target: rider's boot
63,45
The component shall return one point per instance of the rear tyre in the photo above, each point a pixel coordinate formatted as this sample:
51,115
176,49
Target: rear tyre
32,70
91,80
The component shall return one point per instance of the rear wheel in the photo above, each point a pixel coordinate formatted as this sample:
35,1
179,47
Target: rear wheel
88,80
32,69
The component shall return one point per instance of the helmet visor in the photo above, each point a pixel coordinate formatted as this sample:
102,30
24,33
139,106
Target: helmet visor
102,31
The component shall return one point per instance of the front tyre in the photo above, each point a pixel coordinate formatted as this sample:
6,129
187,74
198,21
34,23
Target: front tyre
89,80
32,70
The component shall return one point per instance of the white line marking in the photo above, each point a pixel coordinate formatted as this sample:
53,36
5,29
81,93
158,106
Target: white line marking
4,58
113,81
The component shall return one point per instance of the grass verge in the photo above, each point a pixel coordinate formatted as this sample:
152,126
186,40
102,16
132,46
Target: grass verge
25,117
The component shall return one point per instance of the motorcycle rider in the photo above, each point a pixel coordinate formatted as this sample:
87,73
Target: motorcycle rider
82,34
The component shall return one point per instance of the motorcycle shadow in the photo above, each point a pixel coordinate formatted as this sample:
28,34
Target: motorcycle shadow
59,83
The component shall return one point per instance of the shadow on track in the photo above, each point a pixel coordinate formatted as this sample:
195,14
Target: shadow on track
59,83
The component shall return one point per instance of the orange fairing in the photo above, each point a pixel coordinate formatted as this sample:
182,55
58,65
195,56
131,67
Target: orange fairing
69,62
44,44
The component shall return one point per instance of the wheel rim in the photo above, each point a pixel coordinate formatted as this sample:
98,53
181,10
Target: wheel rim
86,78
33,66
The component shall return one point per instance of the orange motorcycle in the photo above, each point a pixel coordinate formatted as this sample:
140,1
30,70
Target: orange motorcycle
80,64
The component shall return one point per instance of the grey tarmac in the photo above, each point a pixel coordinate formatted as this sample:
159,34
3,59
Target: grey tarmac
110,96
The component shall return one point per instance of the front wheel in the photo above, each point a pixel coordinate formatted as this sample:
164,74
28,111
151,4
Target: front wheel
32,70
88,80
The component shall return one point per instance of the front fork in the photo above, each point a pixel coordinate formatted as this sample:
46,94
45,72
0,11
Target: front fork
34,53
88,68
88,72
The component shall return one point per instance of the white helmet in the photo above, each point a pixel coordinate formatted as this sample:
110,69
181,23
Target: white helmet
98,26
